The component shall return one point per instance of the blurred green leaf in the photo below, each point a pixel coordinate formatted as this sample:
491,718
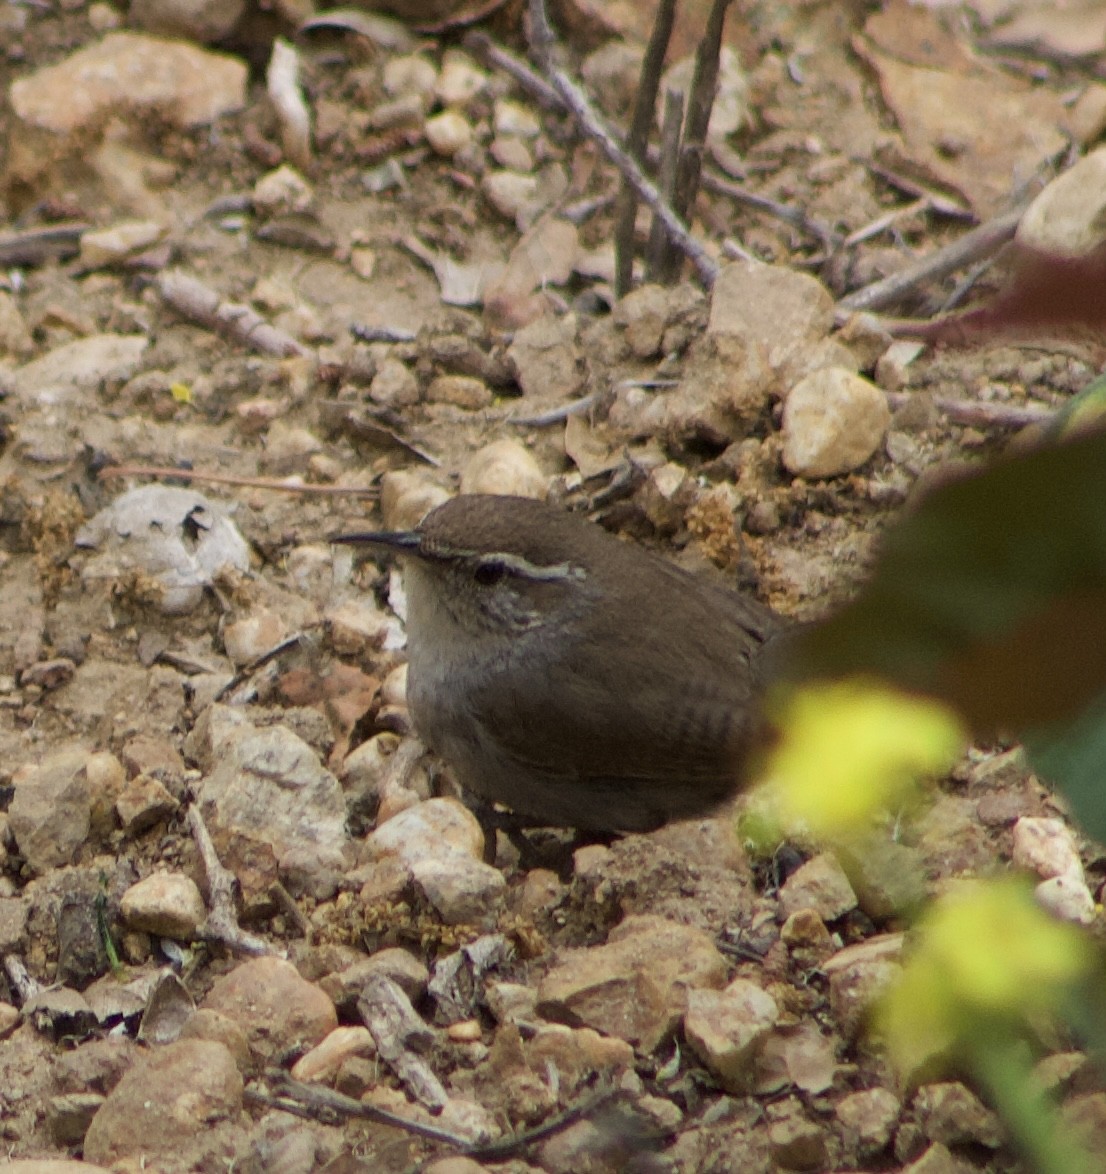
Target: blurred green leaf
990,595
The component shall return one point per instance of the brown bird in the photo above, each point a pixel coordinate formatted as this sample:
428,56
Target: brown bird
575,678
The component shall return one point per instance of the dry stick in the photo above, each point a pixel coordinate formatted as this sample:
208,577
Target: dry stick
506,62
979,414
796,217
972,246
35,245
641,123
592,124
314,1102
229,479
222,922
657,249
191,298
882,223
700,103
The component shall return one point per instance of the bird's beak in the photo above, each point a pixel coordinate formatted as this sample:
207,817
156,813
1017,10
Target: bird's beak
396,541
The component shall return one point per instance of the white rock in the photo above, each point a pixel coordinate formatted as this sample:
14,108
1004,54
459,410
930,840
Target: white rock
325,1058
246,639
512,118
425,831
1046,847
412,74
1069,215
281,192
448,133
167,904
106,246
833,421
504,466
460,80
175,537
406,497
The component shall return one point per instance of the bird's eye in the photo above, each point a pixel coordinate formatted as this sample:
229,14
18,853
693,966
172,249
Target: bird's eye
488,574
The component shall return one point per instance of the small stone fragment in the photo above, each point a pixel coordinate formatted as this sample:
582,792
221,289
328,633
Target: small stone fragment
167,904
833,421
820,884
871,1115
276,1008
160,1103
727,1028
448,133
504,466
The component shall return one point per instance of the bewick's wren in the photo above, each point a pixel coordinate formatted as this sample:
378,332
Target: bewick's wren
575,678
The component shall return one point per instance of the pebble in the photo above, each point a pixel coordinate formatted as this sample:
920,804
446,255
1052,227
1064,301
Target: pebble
124,77
821,885
464,391
636,986
1068,217
108,246
833,421
394,385
448,133
546,358
953,1115
504,466
512,118
70,373
205,21
412,74
278,1010
168,904
177,538
246,639
163,1100
51,810
322,1062
460,79
406,497
727,1028
268,786
358,627
441,845
871,1115
280,193
142,803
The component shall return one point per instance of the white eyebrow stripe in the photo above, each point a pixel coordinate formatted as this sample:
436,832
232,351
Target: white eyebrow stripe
556,573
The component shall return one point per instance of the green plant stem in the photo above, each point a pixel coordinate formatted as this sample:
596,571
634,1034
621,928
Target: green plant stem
1001,1066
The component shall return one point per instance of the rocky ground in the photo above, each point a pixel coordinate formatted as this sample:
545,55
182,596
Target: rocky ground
348,326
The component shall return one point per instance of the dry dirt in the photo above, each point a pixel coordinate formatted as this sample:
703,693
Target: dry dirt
96,667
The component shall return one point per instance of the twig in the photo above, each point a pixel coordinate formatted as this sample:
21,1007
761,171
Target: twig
35,245
482,46
24,985
972,246
700,103
229,479
641,123
554,415
283,84
796,217
259,662
656,251
594,126
313,1102
196,301
222,922
977,413
882,223
397,1030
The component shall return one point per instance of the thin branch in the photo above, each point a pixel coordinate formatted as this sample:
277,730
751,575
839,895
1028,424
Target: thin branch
972,246
594,126
796,217
641,123
979,413
482,46
168,471
700,103
656,252
222,922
